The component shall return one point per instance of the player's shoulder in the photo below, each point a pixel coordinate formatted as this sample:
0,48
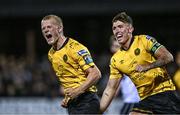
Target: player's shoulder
76,47
114,59
74,44
116,55
51,51
143,36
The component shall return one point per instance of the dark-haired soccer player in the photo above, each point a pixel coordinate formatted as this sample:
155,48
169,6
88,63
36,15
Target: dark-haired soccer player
142,58
74,67
128,90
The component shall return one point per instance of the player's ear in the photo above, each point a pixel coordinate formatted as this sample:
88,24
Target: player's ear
60,28
131,28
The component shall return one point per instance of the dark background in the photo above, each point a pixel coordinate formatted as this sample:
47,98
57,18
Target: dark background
88,21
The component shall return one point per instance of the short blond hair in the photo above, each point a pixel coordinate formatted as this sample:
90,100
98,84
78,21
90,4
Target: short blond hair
57,19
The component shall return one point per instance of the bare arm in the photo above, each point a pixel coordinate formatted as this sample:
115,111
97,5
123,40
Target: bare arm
163,57
109,93
93,75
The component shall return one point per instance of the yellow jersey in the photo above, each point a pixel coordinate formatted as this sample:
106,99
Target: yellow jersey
141,51
70,63
176,79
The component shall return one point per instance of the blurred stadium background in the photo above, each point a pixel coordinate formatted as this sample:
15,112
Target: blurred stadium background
27,82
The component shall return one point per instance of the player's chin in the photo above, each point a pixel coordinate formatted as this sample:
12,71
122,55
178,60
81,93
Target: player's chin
50,42
120,42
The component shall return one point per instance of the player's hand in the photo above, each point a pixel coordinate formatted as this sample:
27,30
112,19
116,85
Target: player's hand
141,68
64,103
73,92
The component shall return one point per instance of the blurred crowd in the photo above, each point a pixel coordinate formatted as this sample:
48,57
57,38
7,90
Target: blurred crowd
20,78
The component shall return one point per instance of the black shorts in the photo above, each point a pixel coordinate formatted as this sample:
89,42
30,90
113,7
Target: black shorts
126,108
162,103
86,103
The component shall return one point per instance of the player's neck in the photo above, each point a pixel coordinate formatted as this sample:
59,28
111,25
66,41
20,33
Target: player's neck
127,45
60,42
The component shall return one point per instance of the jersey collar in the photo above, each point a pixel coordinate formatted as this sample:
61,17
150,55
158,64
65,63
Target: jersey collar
67,39
129,44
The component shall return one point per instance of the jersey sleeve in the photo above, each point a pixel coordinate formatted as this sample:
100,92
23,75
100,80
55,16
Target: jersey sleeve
150,43
114,72
83,56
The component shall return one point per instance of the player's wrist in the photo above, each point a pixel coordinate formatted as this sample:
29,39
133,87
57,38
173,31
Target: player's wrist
80,90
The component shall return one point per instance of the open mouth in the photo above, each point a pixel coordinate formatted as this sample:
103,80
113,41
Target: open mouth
118,35
49,36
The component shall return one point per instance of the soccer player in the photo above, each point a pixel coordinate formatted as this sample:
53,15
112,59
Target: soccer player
176,77
143,59
74,67
129,92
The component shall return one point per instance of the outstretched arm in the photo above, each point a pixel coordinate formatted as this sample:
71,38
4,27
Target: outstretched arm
109,93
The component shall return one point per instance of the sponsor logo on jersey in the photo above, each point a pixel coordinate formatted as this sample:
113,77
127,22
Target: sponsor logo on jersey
82,52
88,59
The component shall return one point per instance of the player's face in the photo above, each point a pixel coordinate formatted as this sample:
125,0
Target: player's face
121,31
50,31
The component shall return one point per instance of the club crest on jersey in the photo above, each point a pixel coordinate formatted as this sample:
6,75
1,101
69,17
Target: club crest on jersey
82,52
137,51
65,58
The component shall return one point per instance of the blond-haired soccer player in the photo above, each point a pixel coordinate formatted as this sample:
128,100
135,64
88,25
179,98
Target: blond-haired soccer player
74,67
142,58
